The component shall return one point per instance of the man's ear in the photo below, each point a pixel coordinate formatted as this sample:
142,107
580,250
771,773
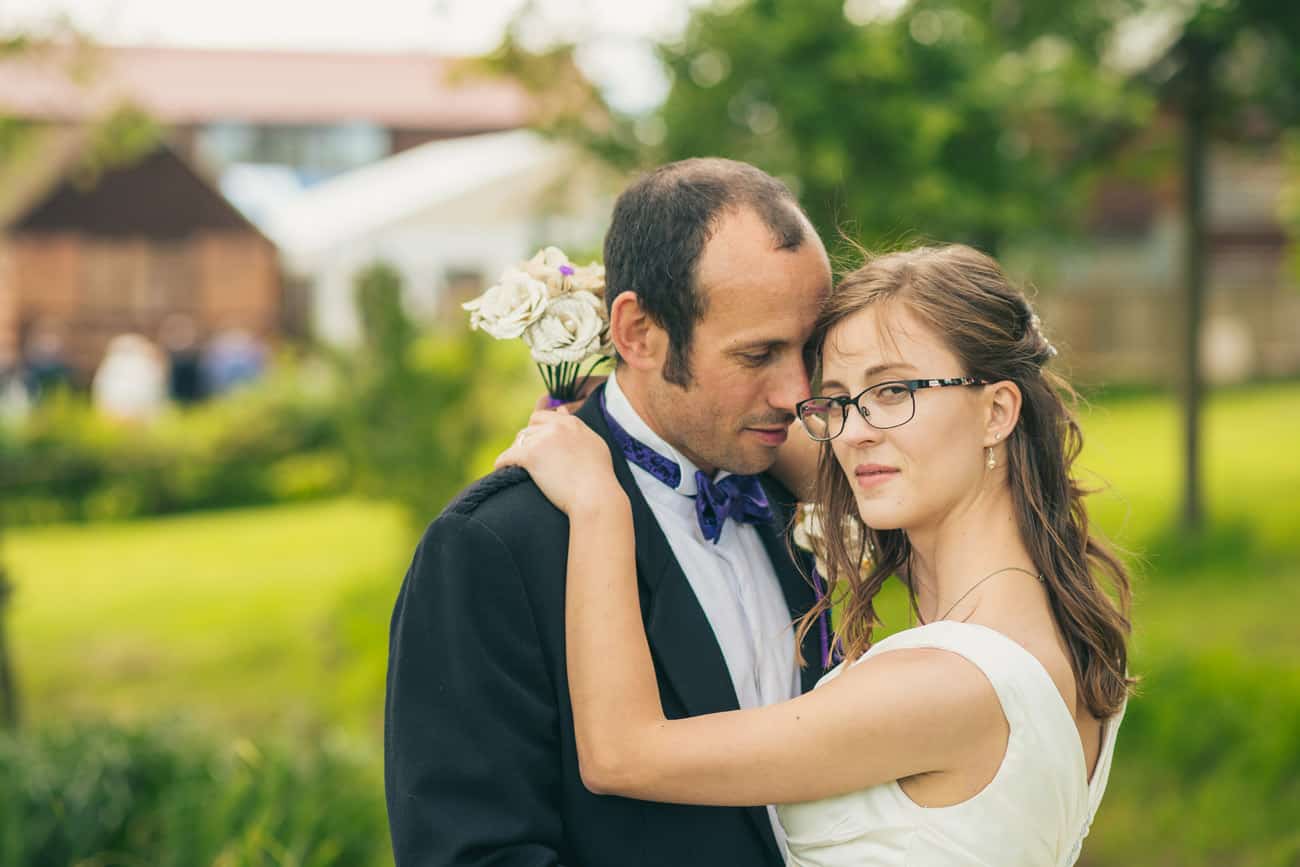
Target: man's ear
640,342
1004,400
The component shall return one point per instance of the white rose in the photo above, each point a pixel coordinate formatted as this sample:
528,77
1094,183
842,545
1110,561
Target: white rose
571,330
507,309
809,535
807,529
589,278
549,266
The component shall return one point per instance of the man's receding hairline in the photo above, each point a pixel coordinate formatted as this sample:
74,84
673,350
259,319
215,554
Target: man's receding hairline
735,208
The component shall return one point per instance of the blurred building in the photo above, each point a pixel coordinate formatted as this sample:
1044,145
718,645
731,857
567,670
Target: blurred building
318,112
1113,298
246,132
449,215
88,254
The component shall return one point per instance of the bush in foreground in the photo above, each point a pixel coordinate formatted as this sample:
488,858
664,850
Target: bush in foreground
167,796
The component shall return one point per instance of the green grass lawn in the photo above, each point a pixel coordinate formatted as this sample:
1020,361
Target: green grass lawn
277,617
247,615
237,617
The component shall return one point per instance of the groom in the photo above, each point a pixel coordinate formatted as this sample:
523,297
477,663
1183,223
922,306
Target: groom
714,278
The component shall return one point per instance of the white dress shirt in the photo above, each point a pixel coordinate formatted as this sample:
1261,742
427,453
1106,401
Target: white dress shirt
733,579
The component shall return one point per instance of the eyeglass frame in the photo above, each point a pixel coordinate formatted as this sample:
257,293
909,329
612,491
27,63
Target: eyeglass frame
912,386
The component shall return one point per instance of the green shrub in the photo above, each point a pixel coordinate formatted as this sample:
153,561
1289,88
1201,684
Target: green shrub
164,796
425,413
1207,773
277,440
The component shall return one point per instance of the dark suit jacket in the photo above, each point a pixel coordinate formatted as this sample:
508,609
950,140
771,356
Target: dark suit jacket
480,761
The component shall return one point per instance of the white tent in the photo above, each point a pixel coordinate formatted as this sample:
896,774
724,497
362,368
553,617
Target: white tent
458,209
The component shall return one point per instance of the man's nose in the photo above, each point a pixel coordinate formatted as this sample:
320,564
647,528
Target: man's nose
790,386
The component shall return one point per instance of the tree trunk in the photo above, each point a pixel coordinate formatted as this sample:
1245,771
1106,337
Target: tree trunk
1195,134
8,688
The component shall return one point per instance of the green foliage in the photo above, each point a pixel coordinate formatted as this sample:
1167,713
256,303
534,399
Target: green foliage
278,440
120,137
1289,209
285,631
1207,773
943,119
165,796
423,412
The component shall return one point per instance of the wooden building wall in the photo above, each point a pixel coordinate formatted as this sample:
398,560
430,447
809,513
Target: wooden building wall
94,289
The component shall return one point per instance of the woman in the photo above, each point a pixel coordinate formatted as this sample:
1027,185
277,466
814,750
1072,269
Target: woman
982,736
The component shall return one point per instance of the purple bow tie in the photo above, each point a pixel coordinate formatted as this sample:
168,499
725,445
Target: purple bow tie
740,498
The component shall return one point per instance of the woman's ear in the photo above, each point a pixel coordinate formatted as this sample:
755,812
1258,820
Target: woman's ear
1004,400
640,342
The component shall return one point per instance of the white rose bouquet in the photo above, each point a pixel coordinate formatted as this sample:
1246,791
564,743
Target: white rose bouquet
558,309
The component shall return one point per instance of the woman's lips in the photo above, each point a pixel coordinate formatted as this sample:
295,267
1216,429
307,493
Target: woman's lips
873,475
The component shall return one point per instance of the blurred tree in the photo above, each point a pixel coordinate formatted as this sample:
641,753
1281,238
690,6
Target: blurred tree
966,120
121,134
419,408
1232,71
970,120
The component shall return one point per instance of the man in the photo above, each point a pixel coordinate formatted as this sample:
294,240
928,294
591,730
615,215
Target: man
714,278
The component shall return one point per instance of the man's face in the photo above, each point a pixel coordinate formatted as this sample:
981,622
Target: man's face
746,354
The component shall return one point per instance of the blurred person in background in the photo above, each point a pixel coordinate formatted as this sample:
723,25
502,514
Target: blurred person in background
15,402
180,340
131,382
45,368
231,358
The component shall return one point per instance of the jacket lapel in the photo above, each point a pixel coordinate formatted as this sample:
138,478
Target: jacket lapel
685,650
798,589
681,640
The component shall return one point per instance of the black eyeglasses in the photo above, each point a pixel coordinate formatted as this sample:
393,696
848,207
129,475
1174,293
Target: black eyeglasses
884,405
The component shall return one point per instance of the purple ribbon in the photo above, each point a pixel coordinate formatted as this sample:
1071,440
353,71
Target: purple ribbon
824,623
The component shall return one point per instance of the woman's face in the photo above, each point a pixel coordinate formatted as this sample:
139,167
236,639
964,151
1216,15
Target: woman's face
912,476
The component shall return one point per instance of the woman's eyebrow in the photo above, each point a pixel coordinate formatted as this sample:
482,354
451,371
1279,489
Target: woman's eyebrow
874,370
878,369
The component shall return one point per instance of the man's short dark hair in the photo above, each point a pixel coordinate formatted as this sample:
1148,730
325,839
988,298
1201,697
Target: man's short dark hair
660,226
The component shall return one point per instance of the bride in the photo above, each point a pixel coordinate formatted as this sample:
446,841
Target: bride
984,735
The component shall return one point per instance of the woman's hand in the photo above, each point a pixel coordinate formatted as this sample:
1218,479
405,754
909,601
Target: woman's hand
568,461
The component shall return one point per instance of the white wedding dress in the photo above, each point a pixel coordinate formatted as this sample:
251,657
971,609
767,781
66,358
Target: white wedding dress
1034,813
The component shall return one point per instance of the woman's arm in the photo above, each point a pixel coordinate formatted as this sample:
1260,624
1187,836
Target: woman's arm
893,716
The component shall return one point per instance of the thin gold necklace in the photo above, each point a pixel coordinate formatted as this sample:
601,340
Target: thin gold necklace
971,590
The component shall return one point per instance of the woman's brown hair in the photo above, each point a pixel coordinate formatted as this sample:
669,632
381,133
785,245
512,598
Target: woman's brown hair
963,296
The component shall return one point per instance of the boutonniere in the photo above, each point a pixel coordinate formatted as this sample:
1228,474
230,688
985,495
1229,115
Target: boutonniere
810,536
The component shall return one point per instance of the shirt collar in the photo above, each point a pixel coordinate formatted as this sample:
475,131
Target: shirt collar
618,406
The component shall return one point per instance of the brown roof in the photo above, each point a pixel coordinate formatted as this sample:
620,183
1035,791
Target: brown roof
153,195
195,86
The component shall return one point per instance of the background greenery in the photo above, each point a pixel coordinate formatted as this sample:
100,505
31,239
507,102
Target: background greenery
271,623
200,621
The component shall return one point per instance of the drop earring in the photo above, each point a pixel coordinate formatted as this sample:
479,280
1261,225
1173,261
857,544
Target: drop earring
992,461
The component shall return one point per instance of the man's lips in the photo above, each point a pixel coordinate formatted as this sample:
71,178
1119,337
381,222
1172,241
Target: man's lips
770,435
871,475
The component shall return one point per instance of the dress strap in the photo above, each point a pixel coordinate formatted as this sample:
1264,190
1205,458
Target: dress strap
1029,697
